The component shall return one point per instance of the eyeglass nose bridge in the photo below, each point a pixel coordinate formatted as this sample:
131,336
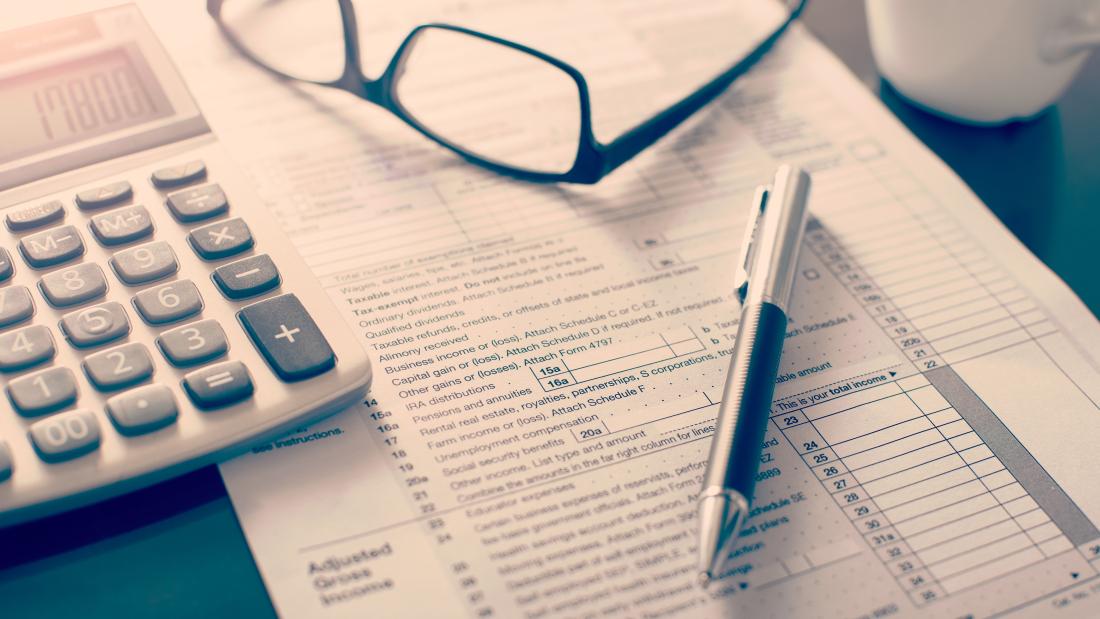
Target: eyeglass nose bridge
381,90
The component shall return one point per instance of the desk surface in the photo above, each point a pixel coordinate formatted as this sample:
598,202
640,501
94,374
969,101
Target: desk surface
177,547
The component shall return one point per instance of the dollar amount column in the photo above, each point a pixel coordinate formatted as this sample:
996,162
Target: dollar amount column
874,450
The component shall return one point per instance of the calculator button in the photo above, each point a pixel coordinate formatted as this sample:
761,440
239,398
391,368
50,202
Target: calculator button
221,239
169,303
247,278
35,216
7,269
218,385
198,203
122,225
25,347
43,392
149,262
174,176
49,247
95,325
193,343
65,435
15,305
78,284
119,367
143,409
5,461
287,337
104,196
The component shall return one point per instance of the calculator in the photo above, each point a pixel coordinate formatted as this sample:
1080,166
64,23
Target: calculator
153,316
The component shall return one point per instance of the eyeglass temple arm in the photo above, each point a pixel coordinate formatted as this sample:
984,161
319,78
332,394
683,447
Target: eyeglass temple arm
642,136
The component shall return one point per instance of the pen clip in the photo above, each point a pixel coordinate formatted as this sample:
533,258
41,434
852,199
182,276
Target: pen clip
741,276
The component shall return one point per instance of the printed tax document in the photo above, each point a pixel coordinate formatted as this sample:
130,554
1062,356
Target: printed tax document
549,359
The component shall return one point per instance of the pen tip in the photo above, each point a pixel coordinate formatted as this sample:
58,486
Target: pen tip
704,579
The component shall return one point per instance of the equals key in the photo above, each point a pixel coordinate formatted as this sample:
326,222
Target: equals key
219,385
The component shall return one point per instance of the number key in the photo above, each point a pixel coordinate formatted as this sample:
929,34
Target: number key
168,303
43,392
193,343
24,348
146,263
95,325
81,283
65,436
119,367
15,305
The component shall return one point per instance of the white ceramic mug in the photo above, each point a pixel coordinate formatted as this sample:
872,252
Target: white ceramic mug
982,61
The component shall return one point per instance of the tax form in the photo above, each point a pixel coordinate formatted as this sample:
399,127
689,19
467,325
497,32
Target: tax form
549,360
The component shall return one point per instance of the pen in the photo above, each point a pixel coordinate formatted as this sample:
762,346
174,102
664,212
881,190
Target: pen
765,276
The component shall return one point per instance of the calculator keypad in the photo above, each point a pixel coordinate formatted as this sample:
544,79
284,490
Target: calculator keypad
51,247
145,263
168,303
119,367
74,285
25,348
95,325
122,225
43,392
114,354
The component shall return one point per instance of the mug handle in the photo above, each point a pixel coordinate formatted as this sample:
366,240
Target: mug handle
1076,34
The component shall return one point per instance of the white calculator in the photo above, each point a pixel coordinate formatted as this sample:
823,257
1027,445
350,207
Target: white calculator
153,316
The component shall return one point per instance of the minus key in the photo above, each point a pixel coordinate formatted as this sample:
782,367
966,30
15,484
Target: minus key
247,278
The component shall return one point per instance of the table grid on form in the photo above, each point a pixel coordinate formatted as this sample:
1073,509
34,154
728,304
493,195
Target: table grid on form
611,357
928,494
939,306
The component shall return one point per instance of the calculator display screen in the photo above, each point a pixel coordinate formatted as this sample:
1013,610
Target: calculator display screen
75,100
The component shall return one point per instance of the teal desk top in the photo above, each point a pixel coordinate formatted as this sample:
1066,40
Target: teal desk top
176,549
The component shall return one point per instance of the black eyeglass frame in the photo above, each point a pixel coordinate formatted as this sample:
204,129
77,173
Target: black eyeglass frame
594,159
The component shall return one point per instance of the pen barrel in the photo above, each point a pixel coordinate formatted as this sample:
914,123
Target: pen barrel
746,400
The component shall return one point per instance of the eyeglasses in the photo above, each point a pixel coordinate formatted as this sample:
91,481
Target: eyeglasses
549,138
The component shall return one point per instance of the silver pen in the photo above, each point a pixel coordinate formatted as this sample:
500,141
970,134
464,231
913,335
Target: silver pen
766,270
